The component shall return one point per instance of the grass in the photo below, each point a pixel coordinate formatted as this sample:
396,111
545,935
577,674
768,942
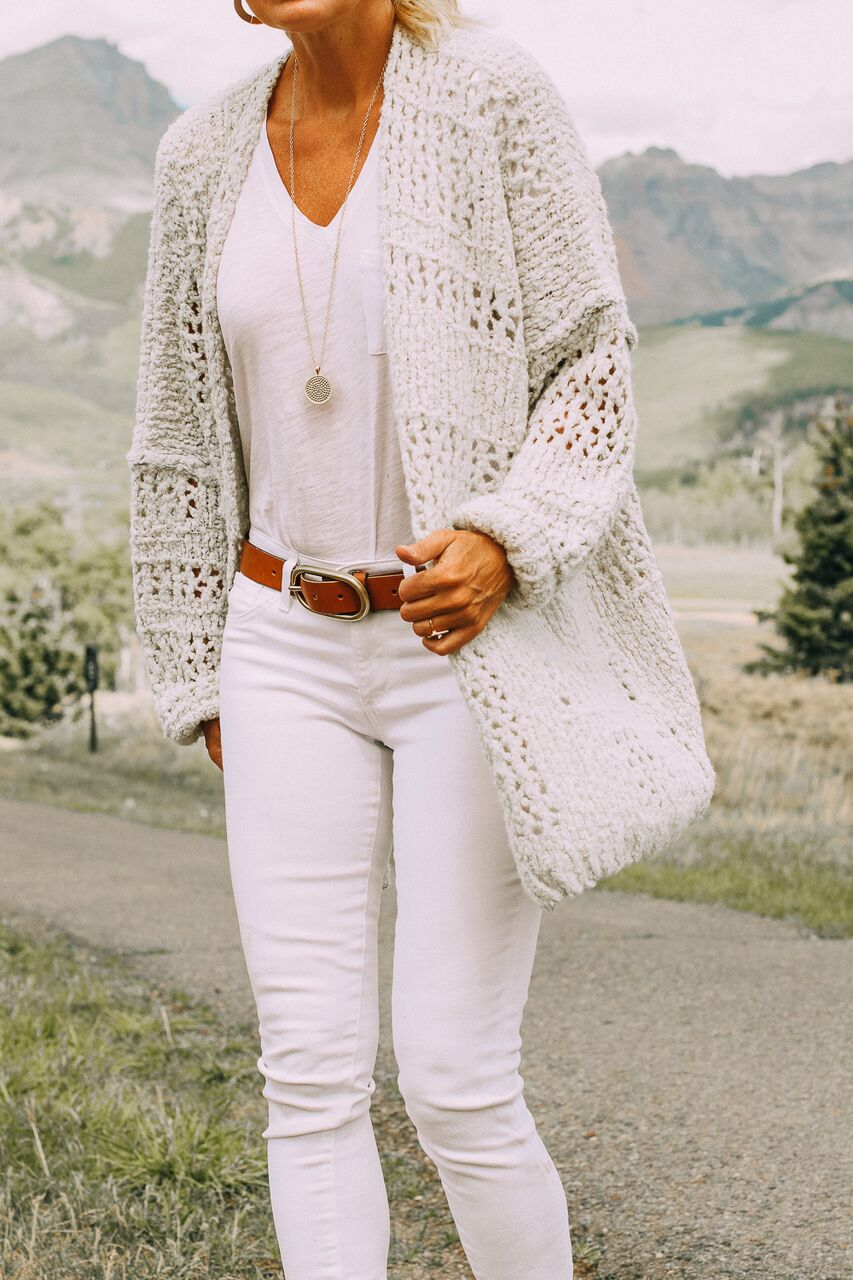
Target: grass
135,774
127,1118
130,1122
721,576
114,278
62,428
674,367
750,874
777,838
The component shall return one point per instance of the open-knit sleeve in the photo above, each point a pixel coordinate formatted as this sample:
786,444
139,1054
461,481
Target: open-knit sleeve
177,536
570,476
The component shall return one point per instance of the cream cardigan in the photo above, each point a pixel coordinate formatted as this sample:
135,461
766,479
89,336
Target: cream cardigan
509,349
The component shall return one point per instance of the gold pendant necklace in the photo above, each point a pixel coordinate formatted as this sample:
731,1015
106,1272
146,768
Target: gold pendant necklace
318,388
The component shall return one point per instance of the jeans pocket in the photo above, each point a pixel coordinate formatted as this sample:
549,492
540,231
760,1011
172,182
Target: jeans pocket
245,596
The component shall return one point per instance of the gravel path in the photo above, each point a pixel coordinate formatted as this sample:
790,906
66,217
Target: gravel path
684,1063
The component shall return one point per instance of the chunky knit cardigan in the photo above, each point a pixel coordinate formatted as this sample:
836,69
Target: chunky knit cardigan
509,354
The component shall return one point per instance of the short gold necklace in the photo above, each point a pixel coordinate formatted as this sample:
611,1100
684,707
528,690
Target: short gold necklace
318,388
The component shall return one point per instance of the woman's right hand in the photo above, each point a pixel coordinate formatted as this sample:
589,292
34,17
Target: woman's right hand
213,741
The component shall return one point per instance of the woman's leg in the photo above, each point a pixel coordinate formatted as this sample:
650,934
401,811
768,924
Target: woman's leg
307,794
466,936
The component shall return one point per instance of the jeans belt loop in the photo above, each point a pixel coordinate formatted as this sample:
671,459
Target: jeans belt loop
285,602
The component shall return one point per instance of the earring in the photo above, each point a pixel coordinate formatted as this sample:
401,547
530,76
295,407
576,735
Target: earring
247,17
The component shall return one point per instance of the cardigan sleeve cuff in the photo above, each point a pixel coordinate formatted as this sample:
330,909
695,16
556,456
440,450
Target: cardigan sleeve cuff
524,539
182,709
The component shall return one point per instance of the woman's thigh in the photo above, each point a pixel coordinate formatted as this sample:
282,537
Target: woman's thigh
308,810
466,931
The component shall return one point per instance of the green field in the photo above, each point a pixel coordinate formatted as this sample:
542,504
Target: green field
114,278
691,382
720,577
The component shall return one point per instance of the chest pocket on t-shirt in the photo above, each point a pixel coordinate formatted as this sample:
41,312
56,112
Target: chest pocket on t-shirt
373,301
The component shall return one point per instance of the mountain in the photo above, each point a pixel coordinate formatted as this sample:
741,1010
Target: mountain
691,241
79,123
825,308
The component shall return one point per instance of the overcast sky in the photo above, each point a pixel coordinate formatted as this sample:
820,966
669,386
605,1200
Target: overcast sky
748,86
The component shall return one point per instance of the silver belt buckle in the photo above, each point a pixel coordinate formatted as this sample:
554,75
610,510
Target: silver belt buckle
337,575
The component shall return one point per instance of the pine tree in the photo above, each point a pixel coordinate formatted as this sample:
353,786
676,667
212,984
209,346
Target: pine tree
814,615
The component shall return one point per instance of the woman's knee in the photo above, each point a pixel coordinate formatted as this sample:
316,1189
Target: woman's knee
451,1097
309,1092
298,1108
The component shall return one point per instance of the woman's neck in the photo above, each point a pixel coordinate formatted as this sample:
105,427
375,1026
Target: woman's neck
339,66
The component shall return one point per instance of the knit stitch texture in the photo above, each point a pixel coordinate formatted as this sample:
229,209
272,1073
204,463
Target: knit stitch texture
509,346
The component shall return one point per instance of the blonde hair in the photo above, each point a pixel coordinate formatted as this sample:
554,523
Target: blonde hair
426,20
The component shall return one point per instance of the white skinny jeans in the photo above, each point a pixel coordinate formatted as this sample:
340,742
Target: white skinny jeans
339,738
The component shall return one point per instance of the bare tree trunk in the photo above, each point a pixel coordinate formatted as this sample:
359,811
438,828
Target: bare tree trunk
778,488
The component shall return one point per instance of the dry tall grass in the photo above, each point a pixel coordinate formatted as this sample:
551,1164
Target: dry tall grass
778,838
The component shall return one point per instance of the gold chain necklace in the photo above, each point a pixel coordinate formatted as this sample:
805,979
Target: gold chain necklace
318,388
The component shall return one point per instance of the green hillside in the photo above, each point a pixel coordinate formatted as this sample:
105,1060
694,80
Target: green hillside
112,278
691,385
55,444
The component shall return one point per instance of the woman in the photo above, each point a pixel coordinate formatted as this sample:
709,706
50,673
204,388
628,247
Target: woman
385,382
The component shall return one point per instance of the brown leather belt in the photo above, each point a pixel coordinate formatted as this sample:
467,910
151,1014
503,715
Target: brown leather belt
349,594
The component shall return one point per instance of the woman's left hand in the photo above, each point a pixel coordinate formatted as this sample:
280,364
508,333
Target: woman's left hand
468,580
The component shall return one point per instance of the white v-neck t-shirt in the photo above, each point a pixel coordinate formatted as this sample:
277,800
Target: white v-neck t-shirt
325,480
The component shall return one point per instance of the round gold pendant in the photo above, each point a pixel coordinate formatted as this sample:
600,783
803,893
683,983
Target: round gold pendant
318,389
